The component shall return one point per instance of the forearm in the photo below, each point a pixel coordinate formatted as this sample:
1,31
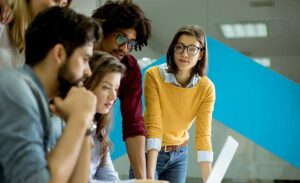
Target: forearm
136,154
205,167
151,163
81,172
63,158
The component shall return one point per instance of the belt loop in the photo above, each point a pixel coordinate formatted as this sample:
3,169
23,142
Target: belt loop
166,149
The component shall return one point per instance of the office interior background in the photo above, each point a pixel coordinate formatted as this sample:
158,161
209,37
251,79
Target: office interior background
256,43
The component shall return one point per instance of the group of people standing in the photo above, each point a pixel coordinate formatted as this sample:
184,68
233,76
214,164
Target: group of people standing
60,74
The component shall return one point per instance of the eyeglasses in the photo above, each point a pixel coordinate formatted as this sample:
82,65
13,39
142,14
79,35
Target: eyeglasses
191,49
122,39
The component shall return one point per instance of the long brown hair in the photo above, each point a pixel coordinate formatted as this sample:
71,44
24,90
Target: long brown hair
101,64
197,32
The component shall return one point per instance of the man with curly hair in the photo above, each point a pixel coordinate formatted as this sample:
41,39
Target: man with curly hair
125,28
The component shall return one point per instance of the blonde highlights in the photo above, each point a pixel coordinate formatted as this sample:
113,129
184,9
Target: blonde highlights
22,18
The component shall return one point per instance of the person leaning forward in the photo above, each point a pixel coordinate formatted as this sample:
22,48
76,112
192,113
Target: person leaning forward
59,43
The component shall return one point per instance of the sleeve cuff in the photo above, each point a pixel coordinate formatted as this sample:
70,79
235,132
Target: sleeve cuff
205,156
153,143
137,129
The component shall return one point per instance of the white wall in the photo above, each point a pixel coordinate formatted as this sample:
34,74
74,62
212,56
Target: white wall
85,6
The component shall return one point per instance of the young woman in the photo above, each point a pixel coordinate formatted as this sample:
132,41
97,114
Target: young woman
104,83
12,35
177,94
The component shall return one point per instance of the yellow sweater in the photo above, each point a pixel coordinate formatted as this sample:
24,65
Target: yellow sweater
170,110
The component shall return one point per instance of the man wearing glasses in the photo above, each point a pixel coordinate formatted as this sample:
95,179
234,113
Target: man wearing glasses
125,28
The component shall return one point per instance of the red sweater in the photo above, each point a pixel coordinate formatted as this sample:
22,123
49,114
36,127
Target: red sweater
130,94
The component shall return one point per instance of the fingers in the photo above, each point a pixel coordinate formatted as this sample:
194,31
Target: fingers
6,15
57,106
79,102
9,18
57,101
54,110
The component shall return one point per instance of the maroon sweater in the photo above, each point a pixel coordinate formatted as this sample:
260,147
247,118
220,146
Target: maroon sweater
130,95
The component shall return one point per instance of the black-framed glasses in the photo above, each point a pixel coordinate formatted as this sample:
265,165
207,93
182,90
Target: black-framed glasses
122,39
191,49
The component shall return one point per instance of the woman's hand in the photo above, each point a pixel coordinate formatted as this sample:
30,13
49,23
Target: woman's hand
6,13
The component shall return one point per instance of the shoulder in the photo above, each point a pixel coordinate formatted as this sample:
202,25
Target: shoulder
205,81
154,70
207,86
133,69
4,38
8,52
130,58
14,87
11,79
155,73
130,62
17,97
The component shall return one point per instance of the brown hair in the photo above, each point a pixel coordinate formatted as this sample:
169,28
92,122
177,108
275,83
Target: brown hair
101,64
56,25
191,30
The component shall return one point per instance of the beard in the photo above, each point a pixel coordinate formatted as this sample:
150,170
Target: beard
66,80
64,87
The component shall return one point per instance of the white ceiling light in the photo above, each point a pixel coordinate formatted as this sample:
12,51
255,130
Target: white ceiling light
247,30
265,61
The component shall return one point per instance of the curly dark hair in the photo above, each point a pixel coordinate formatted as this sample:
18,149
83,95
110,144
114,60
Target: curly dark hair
124,15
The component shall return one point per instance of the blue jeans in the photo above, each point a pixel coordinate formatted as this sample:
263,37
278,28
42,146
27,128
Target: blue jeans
170,166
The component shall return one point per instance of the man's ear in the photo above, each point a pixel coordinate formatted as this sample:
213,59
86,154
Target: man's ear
59,54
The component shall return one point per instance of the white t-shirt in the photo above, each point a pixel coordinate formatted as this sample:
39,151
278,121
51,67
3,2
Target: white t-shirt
10,55
107,172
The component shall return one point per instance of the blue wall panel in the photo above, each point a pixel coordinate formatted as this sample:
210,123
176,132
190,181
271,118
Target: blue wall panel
256,102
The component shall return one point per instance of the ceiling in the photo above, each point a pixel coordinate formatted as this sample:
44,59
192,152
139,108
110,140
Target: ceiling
281,16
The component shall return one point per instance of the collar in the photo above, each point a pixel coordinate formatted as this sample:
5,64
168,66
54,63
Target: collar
171,79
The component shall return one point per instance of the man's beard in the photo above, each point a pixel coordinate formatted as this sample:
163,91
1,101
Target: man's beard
64,87
65,84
